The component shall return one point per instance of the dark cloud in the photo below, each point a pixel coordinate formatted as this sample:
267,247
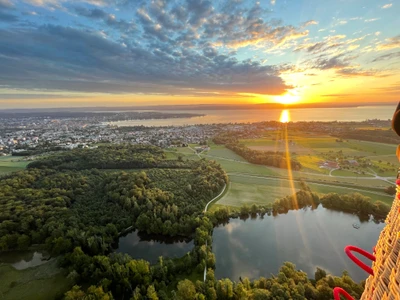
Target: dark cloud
335,62
353,72
387,56
199,11
108,19
6,17
79,60
319,47
91,13
6,4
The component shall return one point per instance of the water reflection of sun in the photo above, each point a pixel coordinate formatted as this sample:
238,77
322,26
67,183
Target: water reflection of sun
285,116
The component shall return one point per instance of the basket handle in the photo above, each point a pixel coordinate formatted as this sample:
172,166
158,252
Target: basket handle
349,251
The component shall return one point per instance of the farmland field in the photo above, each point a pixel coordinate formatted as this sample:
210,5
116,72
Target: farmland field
247,189
247,185
10,164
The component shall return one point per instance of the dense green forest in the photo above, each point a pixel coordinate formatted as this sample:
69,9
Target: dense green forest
268,158
64,208
76,204
110,157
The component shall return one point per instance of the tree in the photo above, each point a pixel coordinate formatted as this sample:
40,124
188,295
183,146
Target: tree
186,290
151,293
319,274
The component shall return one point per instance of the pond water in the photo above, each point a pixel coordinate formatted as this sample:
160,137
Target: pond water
21,260
150,248
308,238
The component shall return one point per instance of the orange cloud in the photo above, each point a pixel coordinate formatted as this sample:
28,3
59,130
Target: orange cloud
391,43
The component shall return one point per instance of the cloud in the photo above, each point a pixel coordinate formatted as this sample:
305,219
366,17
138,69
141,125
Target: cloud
57,3
356,72
390,43
108,19
387,6
329,43
70,59
338,95
387,56
308,23
371,20
7,18
336,62
6,4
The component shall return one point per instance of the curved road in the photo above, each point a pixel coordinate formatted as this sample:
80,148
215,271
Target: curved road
205,210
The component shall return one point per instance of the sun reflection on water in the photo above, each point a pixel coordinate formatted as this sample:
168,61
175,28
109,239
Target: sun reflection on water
285,116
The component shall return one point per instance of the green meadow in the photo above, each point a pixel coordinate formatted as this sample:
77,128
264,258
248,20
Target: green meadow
10,164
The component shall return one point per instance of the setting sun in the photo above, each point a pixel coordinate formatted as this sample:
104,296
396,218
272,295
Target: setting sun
288,98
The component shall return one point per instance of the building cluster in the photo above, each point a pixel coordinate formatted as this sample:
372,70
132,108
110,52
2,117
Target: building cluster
35,134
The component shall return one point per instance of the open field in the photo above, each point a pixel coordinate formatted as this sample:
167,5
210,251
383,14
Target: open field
46,281
10,164
240,166
294,149
221,151
248,189
348,173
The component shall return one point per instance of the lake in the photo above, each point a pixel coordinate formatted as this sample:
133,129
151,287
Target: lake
308,238
150,248
361,113
22,260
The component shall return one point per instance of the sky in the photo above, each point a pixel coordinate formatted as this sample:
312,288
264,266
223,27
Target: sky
59,53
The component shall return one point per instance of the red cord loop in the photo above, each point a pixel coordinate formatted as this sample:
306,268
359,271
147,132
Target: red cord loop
350,249
339,291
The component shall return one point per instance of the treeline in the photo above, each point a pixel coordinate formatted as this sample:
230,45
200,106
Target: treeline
35,151
289,283
350,203
268,158
378,135
110,157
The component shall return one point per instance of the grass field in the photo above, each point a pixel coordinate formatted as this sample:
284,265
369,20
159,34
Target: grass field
43,282
10,164
255,190
348,173
221,151
310,162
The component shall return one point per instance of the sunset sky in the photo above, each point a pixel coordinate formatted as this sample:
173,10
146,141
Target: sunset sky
120,52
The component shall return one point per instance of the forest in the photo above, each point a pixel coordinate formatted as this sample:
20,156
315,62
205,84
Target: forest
75,204
267,158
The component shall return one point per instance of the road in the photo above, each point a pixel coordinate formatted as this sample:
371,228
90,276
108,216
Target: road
205,210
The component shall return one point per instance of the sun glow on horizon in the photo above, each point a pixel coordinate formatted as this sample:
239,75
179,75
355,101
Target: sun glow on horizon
288,98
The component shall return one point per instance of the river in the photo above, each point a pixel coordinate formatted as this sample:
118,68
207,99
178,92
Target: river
361,113
308,238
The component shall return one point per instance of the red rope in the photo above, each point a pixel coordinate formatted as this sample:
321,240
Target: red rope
350,249
339,291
